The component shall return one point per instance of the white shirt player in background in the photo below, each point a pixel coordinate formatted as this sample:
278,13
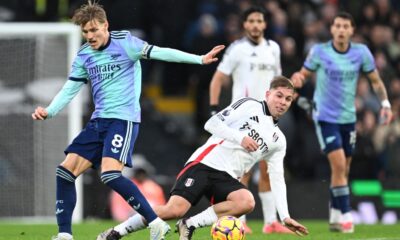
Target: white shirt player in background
243,134
251,63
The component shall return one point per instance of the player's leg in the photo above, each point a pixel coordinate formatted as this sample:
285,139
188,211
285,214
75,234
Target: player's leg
199,180
337,142
175,208
328,137
66,173
187,191
339,187
229,197
82,153
271,223
237,203
267,199
349,140
245,180
117,152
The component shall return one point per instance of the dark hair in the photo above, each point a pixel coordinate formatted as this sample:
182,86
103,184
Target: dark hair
345,15
89,12
281,81
254,9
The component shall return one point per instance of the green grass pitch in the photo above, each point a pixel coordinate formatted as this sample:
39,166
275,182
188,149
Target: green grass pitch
89,230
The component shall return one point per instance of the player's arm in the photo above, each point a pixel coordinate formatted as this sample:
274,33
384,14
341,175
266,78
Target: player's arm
218,80
218,125
380,91
174,55
300,77
278,187
63,97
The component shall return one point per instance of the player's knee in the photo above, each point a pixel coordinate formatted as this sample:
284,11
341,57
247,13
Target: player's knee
339,170
247,204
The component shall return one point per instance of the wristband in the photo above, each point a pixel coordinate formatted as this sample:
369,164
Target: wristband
386,104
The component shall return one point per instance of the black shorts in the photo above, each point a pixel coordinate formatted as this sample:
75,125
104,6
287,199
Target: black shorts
198,180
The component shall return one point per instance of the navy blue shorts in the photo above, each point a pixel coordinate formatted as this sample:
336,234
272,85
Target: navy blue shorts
333,136
104,137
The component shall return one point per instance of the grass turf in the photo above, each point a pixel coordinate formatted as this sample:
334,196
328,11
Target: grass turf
90,229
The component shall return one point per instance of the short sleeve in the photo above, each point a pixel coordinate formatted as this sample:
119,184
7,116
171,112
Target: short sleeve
229,61
312,60
368,63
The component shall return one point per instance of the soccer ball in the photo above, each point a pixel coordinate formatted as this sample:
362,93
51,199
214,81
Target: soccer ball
227,228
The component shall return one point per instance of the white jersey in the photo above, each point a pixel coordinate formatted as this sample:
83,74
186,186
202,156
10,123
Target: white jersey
223,150
251,67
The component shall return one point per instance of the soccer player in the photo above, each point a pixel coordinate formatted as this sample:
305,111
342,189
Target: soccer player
110,61
243,134
337,64
251,63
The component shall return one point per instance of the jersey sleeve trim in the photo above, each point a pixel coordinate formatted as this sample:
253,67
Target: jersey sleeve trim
369,71
241,101
146,51
84,80
308,68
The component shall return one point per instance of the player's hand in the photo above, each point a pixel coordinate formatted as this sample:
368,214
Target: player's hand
39,114
210,56
296,227
386,115
249,144
298,79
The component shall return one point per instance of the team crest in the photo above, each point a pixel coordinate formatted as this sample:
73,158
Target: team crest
226,112
189,182
275,137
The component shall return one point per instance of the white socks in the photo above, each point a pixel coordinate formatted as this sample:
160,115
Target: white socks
64,235
243,218
268,207
132,224
335,215
205,218
347,217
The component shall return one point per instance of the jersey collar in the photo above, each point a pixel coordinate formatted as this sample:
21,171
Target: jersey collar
107,44
254,43
267,112
347,50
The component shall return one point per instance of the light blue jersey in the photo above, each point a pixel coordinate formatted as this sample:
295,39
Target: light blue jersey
115,75
337,74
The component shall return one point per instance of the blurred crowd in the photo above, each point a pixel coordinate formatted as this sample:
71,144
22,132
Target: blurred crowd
197,25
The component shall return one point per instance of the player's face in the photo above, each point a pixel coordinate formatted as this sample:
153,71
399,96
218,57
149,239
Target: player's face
95,33
342,30
254,26
279,101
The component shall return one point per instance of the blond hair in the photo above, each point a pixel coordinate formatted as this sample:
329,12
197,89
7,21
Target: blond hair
89,12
